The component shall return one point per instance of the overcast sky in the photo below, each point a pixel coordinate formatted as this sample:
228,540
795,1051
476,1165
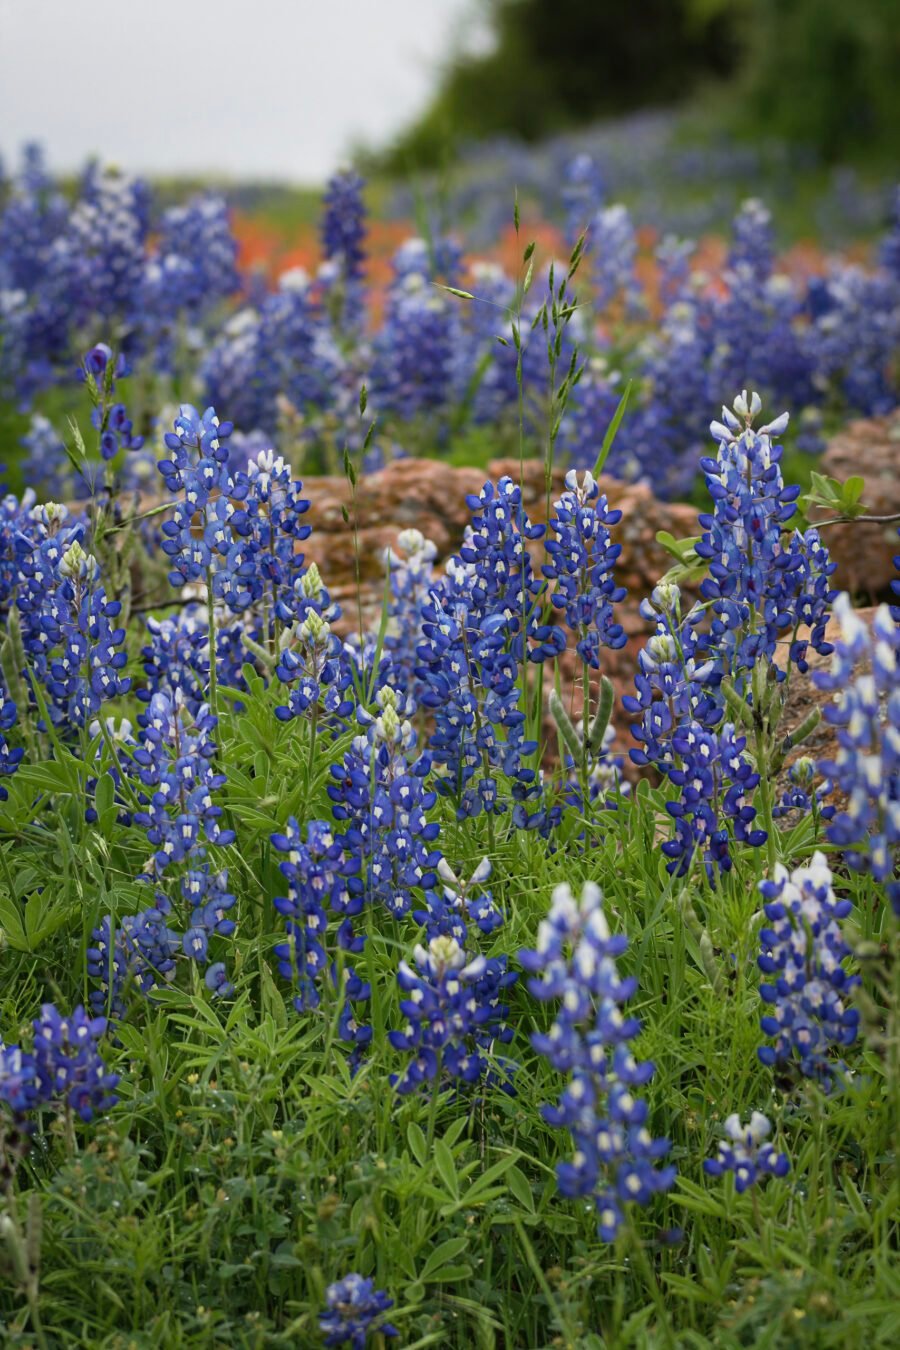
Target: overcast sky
250,88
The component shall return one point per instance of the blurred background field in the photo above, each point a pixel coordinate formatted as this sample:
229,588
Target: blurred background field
647,127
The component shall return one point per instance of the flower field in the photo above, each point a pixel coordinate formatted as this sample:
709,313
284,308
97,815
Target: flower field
376,973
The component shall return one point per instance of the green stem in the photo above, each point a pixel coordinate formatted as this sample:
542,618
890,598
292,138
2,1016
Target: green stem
649,1275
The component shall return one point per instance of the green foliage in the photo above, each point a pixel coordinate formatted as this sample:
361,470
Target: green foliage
821,73
553,65
246,1168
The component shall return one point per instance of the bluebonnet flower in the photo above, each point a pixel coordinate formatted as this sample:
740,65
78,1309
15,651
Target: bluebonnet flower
10,756
471,897
575,966
414,351
45,465
311,659
673,260
198,469
582,563
763,587
753,240
411,579
114,427
455,1013
279,357
612,245
20,1089
582,194
485,373
343,228
474,631
193,269
263,566
804,950
759,587
803,796
853,334
69,1065
381,801
747,1152
67,621
134,954
889,253
177,777
176,656
217,981
343,233
716,780
317,871
675,683
865,679
354,1310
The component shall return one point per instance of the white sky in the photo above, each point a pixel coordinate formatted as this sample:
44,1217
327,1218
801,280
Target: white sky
249,88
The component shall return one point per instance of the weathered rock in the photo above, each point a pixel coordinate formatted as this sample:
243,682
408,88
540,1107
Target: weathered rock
864,552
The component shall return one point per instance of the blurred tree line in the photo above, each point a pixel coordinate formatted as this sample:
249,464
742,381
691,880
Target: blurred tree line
822,72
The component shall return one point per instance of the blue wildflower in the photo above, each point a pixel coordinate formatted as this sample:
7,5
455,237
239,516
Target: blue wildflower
575,966
747,1152
354,1311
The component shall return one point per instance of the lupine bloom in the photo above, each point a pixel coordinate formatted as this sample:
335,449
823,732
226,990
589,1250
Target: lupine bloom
803,951
582,563
316,870
354,1310
803,795
575,967
343,232
311,660
20,1089
715,778
411,577
414,352
67,621
747,1152
582,194
762,584
612,243
382,803
455,1013
865,679
199,471
136,954
69,1065
10,757
177,777
762,587
475,628
110,419
45,464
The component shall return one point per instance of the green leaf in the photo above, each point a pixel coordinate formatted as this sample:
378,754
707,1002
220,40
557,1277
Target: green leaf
682,549
11,923
450,1273
476,1192
520,1187
442,1255
611,431
446,1168
417,1145
272,1001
